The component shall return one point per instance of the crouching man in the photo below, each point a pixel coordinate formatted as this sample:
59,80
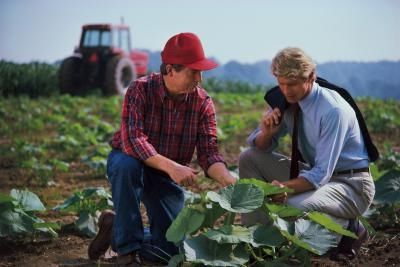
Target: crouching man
165,117
334,175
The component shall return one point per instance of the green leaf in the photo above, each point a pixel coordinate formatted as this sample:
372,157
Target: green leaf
200,249
191,197
388,188
103,149
268,188
94,198
4,199
298,242
266,235
374,170
304,257
11,224
187,221
212,212
318,237
91,191
48,227
28,200
176,260
60,165
101,192
8,205
273,263
86,224
283,210
231,234
16,216
241,198
367,225
37,224
53,225
284,225
69,203
328,223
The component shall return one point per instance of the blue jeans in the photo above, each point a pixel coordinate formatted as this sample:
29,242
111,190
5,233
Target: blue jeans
132,182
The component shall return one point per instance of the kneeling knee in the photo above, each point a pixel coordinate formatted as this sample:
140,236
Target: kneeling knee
246,156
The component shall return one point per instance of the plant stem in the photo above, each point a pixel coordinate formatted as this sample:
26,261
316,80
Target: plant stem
289,253
230,218
250,248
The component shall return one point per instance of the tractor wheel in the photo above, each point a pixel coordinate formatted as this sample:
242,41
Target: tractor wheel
69,78
120,71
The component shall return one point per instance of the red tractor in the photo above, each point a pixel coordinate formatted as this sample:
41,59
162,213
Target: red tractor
103,59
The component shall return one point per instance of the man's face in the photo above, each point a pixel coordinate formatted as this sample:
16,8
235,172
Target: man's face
184,81
294,90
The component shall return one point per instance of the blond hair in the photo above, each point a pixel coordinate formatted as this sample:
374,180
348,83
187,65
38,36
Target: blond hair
293,63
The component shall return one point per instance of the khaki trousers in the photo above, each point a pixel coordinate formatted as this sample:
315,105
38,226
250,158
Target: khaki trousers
344,197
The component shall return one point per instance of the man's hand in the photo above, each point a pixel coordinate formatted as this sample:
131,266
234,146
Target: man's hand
183,175
221,174
271,121
269,126
228,180
279,198
180,174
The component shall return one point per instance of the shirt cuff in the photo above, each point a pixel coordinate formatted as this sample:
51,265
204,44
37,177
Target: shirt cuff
310,178
210,161
140,150
252,137
147,153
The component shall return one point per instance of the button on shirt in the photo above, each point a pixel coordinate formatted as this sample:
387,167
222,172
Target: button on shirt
154,123
330,138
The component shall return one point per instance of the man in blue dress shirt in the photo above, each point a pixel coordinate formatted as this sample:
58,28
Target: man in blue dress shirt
335,177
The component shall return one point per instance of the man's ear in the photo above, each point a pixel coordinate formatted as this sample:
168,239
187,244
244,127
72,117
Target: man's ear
312,76
168,68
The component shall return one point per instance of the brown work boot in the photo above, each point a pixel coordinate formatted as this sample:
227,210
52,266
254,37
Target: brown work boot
102,240
131,259
349,246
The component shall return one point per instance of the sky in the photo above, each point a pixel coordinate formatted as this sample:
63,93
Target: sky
243,30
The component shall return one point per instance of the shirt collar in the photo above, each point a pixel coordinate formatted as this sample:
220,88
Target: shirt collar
309,99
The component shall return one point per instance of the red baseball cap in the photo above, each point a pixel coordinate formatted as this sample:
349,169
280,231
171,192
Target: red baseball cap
186,49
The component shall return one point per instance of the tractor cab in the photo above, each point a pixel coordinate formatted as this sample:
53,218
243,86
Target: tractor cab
103,59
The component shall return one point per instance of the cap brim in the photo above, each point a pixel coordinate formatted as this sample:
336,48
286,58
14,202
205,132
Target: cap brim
205,64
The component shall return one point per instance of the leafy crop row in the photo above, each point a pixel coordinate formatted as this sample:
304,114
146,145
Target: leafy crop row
32,79
41,79
203,239
47,135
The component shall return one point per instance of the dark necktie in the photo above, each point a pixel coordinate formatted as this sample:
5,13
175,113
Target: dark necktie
294,164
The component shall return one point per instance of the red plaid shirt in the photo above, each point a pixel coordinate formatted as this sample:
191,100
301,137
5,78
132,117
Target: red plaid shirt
153,123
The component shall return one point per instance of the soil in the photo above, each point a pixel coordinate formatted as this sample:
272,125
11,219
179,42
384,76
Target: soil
70,248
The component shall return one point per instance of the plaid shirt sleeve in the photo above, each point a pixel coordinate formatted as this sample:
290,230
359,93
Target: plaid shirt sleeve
134,141
207,145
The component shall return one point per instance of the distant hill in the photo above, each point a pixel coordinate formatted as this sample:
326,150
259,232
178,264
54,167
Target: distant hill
376,79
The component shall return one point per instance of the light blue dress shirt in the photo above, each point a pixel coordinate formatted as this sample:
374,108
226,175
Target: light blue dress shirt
330,138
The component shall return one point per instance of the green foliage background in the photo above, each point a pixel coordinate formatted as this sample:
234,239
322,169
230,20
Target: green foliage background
44,133
31,79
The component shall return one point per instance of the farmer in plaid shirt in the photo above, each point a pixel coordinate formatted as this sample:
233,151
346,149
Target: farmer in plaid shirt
165,117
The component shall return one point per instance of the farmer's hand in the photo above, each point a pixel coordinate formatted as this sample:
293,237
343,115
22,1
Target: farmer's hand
221,174
270,121
279,198
183,175
228,180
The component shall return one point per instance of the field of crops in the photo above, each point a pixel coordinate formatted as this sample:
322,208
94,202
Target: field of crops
52,170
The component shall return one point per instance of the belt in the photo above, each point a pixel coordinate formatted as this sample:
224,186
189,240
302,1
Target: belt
351,171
